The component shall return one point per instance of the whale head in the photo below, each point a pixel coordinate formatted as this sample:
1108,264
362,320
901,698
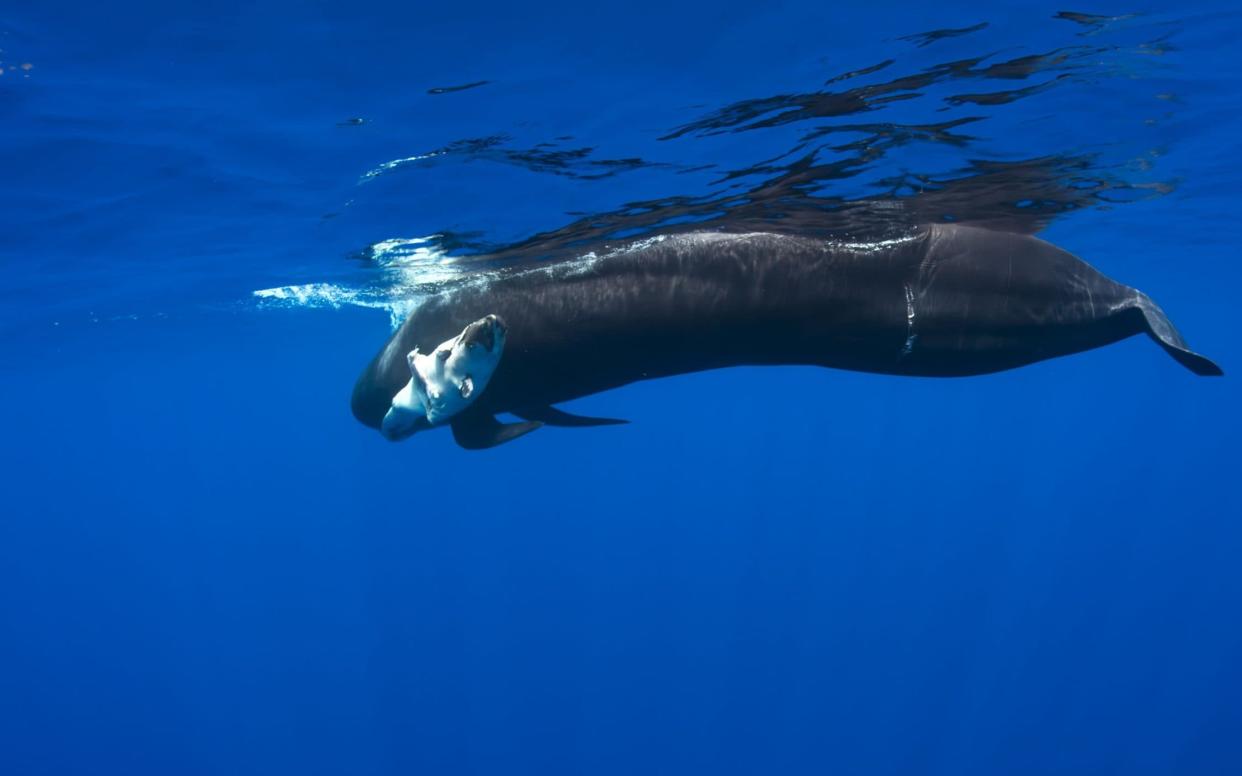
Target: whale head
447,380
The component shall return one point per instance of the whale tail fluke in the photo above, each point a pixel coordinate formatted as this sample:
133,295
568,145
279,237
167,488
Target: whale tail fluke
1161,329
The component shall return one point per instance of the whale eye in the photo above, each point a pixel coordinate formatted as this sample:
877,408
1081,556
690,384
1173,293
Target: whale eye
467,387
444,354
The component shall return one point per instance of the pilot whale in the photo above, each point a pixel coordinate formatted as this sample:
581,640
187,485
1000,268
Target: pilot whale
446,381
946,300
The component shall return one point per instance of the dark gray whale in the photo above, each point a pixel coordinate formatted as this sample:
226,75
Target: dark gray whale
948,300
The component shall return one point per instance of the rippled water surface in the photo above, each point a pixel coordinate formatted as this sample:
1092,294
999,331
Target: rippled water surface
211,217
330,158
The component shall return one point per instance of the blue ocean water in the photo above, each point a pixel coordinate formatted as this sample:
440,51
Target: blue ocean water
211,216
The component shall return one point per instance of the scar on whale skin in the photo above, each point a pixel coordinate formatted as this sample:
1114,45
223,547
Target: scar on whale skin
911,337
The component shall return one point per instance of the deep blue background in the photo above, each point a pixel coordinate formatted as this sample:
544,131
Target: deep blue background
207,566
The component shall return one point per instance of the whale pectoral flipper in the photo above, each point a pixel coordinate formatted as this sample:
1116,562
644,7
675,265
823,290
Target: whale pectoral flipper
1161,329
551,416
480,430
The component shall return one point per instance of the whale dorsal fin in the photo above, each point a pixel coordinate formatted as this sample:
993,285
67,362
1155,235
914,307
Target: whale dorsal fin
479,430
551,416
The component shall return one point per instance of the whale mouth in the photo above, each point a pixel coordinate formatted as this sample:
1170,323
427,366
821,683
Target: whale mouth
399,424
485,332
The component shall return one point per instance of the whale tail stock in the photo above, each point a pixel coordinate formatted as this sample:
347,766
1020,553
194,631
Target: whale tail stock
1161,329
